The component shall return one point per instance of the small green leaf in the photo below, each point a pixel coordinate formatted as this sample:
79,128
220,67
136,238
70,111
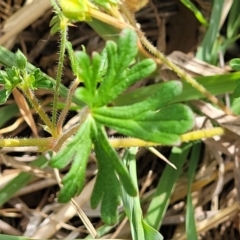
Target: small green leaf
236,92
83,95
43,83
107,187
54,20
12,72
235,64
4,95
2,81
77,150
73,182
72,58
125,80
165,93
21,60
118,77
107,83
117,163
54,29
96,73
164,126
127,49
84,68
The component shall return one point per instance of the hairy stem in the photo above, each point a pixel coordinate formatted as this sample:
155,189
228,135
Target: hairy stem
63,40
38,108
42,144
67,105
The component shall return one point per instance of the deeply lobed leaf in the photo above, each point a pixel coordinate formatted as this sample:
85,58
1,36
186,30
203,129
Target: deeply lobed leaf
107,187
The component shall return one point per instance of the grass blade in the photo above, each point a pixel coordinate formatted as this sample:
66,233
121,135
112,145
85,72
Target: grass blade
159,203
190,220
218,84
20,181
205,51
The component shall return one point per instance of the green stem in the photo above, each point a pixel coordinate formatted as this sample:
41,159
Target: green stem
67,105
38,108
63,33
42,144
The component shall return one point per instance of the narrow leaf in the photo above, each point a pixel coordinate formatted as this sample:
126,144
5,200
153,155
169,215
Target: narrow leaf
165,187
127,49
73,182
165,93
190,219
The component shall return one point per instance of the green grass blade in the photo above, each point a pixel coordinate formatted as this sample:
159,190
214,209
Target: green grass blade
218,84
139,228
7,237
233,23
159,203
19,181
196,12
205,51
190,220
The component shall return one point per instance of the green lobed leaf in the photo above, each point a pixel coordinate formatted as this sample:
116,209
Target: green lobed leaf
103,64
40,80
176,118
165,93
96,73
137,72
84,71
84,95
106,84
118,78
77,150
127,49
145,121
107,186
117,163
165,131
73,182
